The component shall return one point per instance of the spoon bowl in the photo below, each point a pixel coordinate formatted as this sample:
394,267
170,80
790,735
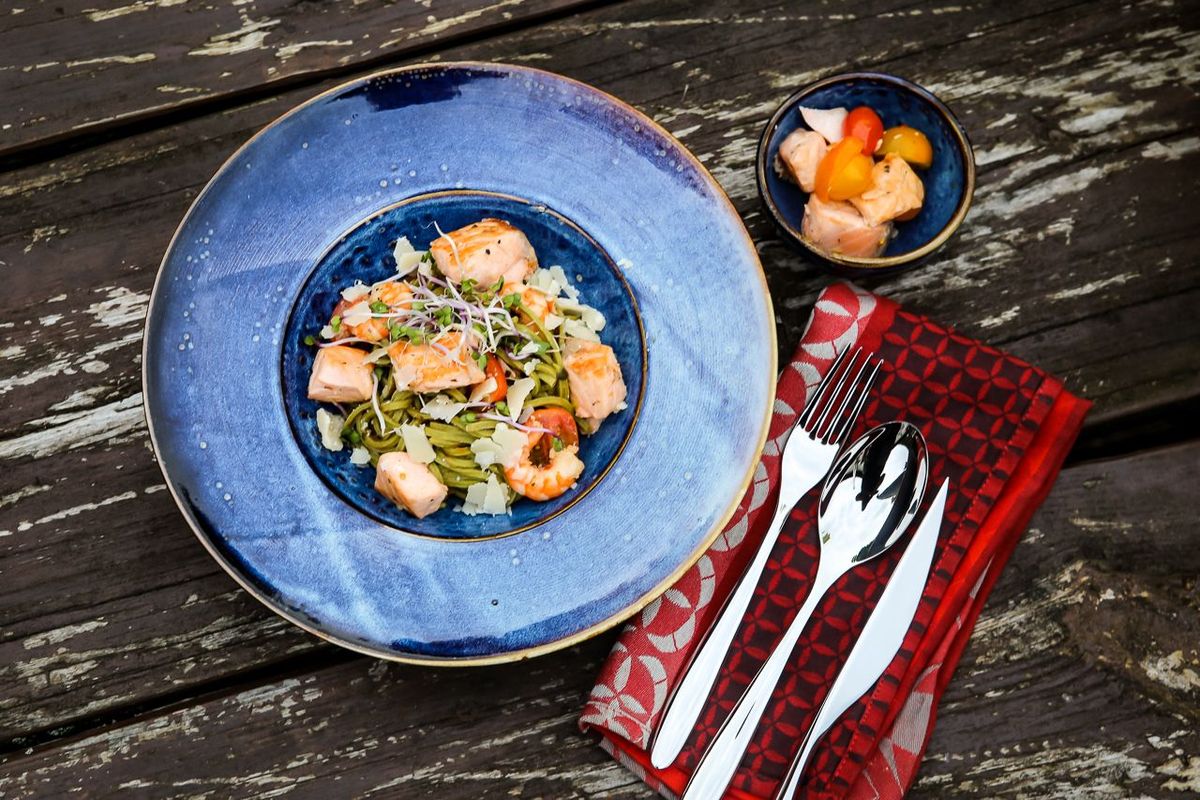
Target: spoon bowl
869,499
872,493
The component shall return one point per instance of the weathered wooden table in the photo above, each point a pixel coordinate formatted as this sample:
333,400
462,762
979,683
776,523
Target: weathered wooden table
130,664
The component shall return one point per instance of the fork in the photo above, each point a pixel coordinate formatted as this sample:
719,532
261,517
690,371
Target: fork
811,446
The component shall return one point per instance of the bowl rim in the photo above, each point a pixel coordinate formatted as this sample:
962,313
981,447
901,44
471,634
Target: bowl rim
883,262
609,262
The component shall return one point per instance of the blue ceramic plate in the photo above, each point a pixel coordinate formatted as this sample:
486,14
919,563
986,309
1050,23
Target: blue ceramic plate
949,182
315,201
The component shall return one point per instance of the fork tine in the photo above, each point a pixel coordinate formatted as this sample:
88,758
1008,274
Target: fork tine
814,401
837,401
837,433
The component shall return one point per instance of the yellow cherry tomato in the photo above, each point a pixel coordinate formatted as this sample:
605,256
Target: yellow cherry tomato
908,143
844,172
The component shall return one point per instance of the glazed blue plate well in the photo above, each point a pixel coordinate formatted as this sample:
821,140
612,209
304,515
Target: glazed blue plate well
366,254
315,201
949,182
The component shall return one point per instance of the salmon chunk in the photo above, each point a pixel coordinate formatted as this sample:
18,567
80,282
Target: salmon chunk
536,301
835,226
799,155
486,251
594,377
447,363
409,484
896,192
340,374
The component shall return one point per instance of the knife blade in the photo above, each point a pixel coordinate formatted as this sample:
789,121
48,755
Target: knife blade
881,637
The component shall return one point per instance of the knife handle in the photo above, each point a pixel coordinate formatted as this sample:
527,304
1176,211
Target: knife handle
688,699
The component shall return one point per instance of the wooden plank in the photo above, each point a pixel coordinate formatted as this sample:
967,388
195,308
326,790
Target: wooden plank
65,72
82,500
1080,681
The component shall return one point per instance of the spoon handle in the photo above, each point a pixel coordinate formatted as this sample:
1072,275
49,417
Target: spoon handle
724,753
687,701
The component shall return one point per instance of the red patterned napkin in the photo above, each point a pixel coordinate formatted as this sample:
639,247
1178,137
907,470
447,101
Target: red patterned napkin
996,427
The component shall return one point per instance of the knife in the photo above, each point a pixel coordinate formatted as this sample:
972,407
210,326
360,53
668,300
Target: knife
880,639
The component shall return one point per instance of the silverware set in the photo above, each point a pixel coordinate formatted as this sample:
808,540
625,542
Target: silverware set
871,492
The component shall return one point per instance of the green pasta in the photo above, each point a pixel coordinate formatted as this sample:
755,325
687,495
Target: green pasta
481,324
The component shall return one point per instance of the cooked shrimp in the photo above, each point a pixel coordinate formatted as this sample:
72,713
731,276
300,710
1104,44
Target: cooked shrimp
547,481
835,226
594,376
396,295
485,251
447,363
799,155
540,304
548,464
896,192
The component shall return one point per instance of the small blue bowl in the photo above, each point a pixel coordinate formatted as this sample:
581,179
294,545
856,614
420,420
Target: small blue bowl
949,182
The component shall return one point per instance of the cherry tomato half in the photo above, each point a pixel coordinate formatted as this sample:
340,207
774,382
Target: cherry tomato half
865,125
908,143
561,425
844,172
495,369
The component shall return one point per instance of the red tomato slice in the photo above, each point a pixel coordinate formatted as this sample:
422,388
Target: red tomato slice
865,125
495,369
561,425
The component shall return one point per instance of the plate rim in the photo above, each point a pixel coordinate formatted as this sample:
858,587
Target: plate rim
562,642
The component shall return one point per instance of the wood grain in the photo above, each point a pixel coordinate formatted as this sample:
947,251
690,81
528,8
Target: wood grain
74,69
1079,255
86,500
1040,707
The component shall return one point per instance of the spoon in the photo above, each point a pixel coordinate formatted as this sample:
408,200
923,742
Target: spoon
869,499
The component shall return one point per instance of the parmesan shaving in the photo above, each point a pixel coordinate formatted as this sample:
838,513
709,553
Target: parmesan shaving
442,408
553,321
407,257
356,314
356,292
531,349
503,447
486,498
592,318
330,427
416,444
553,283
376,355
561,278
486,452
518,390
511,442
576,328
587,315
482,390
360,456
328,332
529,366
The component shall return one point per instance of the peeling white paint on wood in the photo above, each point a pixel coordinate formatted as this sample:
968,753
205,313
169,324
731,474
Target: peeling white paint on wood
250,36
1093,286
60,635
110,423
138,59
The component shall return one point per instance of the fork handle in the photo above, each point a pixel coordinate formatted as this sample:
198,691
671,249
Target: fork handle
725,752
687,701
